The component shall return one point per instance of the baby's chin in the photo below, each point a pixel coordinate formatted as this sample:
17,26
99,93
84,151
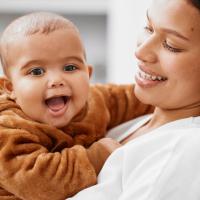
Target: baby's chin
55,122
59,124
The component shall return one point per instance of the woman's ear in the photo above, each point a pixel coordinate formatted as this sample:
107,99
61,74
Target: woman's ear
90,70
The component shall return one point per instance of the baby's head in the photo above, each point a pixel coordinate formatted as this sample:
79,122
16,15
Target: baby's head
44,58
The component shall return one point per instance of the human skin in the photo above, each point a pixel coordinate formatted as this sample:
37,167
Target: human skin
49,66
169,48
168,55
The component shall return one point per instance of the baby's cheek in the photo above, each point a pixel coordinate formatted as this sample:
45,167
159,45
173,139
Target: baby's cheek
81,97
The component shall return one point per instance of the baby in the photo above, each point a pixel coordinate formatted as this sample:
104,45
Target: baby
47,87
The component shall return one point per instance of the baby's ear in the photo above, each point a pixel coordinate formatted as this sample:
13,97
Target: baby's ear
7,86
90,70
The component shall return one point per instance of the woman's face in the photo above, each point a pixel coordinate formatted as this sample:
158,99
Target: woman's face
168,54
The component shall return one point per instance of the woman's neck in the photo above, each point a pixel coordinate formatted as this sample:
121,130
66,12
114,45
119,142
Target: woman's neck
163,116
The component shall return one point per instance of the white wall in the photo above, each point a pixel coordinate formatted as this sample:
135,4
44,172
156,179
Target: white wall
109,30
89,15
124,22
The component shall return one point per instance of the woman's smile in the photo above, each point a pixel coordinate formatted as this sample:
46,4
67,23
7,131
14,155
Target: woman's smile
146,79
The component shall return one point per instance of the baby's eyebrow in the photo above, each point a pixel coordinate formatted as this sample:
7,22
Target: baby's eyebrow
74,58
170,31
29,63
40,63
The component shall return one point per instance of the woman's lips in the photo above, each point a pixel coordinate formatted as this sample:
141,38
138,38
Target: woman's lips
151,76
146,80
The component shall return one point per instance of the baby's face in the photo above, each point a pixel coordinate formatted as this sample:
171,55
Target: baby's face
50,76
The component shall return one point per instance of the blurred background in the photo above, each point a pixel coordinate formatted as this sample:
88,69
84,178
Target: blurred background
109,30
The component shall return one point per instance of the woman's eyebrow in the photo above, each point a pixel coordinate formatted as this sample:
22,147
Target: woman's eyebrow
170,31
173,32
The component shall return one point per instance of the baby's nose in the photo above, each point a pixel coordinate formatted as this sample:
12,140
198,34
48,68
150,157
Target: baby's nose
56,83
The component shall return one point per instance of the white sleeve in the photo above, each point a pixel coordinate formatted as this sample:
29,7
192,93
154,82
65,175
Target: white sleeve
109,182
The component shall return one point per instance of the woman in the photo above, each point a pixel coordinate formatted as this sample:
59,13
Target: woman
162,162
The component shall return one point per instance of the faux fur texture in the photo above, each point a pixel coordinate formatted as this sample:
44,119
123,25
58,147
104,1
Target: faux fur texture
40,162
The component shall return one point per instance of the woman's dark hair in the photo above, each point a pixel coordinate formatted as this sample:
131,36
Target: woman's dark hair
195,3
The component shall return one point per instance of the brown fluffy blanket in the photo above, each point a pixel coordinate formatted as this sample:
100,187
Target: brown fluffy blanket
40,162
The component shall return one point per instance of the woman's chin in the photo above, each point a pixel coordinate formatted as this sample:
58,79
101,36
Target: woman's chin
139,94
144,97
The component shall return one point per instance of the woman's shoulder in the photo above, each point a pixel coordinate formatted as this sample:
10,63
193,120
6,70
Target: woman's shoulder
123,130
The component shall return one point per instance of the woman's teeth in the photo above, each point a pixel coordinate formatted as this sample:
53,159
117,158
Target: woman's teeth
150,77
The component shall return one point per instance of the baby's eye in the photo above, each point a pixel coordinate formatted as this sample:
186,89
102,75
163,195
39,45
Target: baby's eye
70,68
36,71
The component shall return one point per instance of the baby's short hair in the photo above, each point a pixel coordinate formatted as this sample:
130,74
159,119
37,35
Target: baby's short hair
30,24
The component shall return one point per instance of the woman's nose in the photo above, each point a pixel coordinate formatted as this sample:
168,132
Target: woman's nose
145,51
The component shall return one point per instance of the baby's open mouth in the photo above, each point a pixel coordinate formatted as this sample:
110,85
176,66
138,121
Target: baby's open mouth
57,103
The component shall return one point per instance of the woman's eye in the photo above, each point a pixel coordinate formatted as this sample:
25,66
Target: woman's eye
170,48
70,68
36,71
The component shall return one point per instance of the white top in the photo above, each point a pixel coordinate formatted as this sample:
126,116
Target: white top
124,130
163,164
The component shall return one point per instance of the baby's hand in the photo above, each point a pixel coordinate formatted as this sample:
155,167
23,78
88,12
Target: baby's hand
99,152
